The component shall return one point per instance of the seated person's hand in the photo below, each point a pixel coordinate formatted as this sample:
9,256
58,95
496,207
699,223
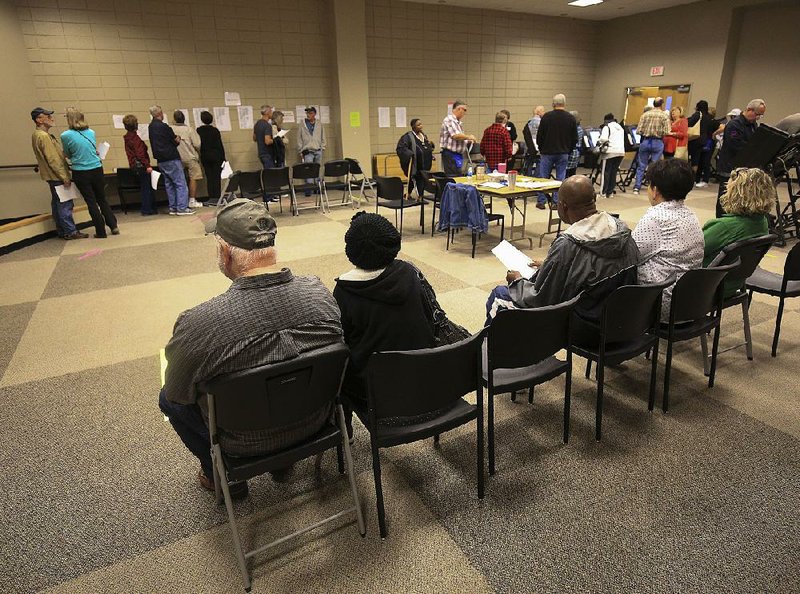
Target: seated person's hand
512,275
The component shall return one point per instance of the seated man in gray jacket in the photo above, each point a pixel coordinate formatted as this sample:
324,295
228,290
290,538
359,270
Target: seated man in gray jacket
595,246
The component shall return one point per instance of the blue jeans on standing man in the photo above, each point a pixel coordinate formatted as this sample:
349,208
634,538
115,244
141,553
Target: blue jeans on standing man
650,149
267,161
546,164
313,157
175,184
62,212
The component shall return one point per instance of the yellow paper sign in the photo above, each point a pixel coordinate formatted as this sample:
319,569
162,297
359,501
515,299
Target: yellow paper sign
355,119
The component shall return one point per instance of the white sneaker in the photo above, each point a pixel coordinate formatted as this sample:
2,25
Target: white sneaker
700,184
194,204
635,191
184,213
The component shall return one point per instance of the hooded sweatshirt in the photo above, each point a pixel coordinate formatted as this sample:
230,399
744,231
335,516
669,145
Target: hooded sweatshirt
380,313
588,251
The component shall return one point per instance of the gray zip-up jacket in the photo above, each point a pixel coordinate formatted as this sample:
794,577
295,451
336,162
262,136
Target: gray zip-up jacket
306,141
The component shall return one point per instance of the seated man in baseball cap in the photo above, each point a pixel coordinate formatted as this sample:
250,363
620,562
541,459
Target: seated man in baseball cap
266,316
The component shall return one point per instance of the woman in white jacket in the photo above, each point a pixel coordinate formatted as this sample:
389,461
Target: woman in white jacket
613,136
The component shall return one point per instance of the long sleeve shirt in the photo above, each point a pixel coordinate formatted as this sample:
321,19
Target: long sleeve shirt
162,141
136,150
723,231
557,133
50,157
654,124
496,145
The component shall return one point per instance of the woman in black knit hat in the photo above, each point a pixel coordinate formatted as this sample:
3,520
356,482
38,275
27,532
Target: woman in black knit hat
382,303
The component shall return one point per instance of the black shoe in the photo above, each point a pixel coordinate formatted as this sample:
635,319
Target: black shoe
96,236
540,205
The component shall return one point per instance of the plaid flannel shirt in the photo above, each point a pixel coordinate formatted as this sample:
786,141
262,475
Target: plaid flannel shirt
496,145
654,123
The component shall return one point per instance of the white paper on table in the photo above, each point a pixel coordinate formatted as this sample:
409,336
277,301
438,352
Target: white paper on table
143,131
383,117
491,184
282,133
513,259
300,112
232,99
196,111
227,171
65,193
245,117
102,149
154,175
288,117
325,114
400,117
222,117
547,184
526,184
118,121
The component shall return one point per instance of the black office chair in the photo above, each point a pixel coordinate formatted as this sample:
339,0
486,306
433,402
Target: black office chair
305,172
414,395
780,286
695,310
336,176
250,185
272,397
510,365
628,327
391,195
276,183
127,181
750,252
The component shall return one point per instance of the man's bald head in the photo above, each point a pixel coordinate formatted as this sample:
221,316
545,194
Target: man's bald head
576,199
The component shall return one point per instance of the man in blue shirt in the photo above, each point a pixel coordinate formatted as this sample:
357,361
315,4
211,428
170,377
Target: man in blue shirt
262,136
164,143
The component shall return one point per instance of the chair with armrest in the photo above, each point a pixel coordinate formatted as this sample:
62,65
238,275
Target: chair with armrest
781,286
276,183
391,194
272,397
510,365
414,395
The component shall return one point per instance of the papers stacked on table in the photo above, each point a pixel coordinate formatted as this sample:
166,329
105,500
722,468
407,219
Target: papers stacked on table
492,185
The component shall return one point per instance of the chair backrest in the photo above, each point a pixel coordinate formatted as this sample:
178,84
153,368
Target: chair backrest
275,178
549,327
278,394
593,298
750,251
336,169
127,179
791,270
632,310
698,292
355,166
441,184
305,171
249,182
233,182
413,383
390,188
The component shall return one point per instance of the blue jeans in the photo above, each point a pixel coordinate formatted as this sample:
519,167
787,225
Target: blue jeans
650,149
148,196
187,420
175,183
266,161
546,164
62,212
313,157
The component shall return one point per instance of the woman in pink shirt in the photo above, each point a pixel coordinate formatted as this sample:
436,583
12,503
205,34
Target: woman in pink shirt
675,144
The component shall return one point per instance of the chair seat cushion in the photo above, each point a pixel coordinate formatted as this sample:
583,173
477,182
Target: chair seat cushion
243,468
396,204
618,352
763,281
506,380
396,434
687,330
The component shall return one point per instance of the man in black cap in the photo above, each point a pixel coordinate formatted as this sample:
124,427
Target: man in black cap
54,170
382,302
266,316
311,141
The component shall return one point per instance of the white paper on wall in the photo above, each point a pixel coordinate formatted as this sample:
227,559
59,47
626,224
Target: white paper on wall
196,111
245,117
325,114
222,118
300,112
288,117
143,131
232,99
383,117
118,121
400,117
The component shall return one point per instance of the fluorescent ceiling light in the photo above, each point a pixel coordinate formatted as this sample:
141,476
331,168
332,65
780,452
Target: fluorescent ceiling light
583,3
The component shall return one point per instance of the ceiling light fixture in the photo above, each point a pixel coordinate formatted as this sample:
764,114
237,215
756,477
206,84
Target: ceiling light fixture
583,3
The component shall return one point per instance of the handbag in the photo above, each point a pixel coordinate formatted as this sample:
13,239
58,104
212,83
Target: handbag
694,131
682,152
445,331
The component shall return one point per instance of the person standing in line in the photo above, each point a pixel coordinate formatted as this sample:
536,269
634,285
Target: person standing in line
80,147
416,156
700,147
311,141
278,144
675,142
496,146
613,135
262,136
653,126
556,137
189,150
453,140
212,155
575,155
139,162
164,143
54,170
512,129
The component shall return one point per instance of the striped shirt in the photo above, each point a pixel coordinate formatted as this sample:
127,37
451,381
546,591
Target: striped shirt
260,319
451,126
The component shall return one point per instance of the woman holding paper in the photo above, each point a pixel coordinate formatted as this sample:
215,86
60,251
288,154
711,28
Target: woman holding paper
80,147
212,155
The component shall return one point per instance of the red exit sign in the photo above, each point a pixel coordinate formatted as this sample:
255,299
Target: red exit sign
657,71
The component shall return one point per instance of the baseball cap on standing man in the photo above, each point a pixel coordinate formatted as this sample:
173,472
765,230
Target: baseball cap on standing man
37,111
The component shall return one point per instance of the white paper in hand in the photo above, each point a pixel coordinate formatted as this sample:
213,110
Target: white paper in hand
65,194
102,150
154,175
282,133
227,171
513,259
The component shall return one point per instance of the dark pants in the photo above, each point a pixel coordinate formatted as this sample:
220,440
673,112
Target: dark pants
704,166
419,180
610,167
449,164
148,195
266,161
723,185
92,186
213,171
187,420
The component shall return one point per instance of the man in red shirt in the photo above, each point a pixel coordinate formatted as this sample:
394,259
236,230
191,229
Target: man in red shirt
496,142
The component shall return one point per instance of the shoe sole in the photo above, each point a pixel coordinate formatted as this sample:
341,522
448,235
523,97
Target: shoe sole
184,214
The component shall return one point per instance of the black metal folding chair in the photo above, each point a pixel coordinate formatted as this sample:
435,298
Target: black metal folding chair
391,195
310,184
276,184
336,176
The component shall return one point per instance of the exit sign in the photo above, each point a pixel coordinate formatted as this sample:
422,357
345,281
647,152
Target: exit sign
657,71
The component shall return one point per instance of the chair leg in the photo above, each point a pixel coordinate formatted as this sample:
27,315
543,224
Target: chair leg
653,376
490,430
436,440
479,420
237,543
514,396
667,369
598,420
777,329
376,469
340,458
588,368
746,322
530,395
567,396
474,239
714,349
351,475
704,349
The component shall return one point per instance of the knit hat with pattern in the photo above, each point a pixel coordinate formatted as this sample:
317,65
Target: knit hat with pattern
371,242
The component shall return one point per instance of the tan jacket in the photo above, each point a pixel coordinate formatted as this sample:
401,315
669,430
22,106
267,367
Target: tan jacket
189,148
50,157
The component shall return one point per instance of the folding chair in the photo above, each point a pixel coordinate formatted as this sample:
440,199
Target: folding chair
340,172
362,183
309,174
390,195
276,183
127,181
250,185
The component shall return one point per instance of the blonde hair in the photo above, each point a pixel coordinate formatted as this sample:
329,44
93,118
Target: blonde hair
75,119
679,110
749,192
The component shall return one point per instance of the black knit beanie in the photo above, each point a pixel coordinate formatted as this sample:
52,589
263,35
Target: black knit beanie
371,242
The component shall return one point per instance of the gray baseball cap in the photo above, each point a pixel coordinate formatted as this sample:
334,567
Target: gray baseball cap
245,224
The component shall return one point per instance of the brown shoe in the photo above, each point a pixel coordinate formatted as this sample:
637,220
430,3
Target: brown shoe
75,235
238,490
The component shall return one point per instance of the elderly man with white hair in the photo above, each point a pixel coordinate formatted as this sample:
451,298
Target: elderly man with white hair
164,143
262,136
556,137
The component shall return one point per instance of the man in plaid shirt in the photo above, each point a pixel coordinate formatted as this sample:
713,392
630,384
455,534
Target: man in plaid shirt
453,140
653,126
496,142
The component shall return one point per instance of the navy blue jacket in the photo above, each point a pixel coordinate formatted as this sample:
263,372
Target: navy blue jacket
738,133
162,141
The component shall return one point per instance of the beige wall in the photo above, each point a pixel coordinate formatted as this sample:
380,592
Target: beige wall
422,56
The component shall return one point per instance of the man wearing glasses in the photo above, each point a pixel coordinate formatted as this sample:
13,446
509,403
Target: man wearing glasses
737,134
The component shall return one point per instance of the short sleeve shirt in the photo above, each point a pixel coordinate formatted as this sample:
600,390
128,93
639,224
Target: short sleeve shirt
262,129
